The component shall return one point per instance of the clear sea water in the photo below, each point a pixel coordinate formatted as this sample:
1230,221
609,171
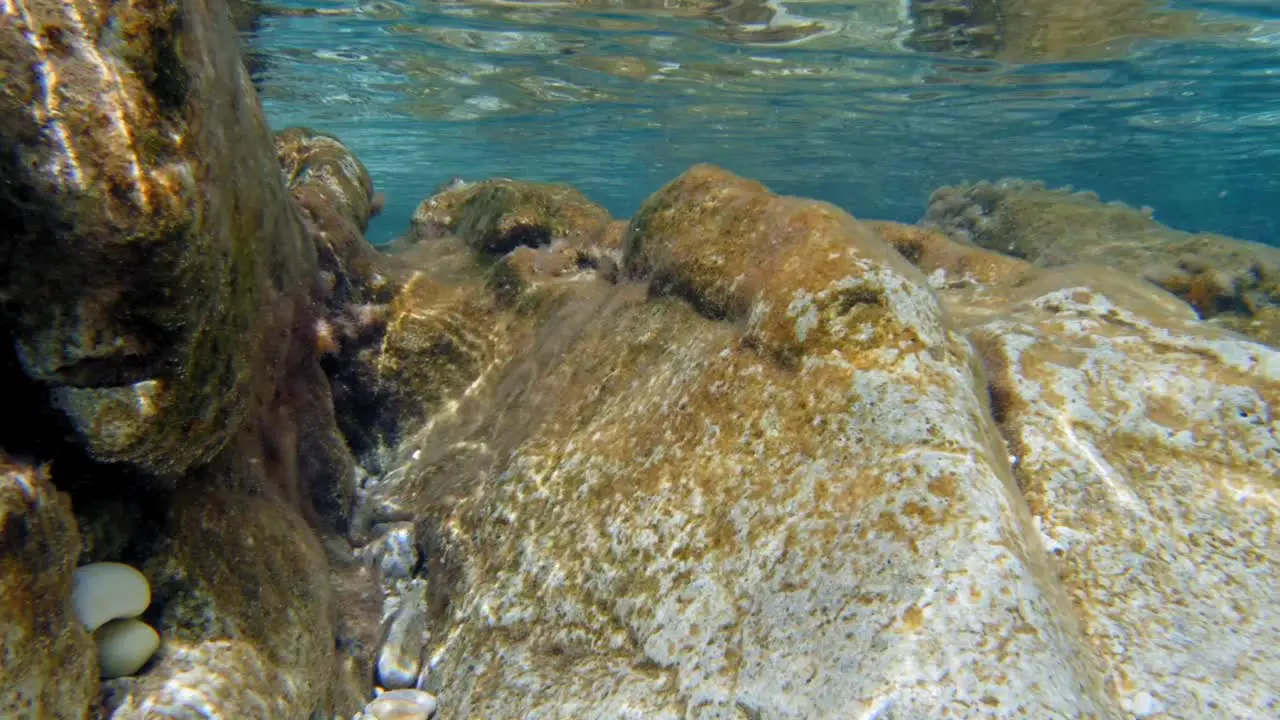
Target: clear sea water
1171,105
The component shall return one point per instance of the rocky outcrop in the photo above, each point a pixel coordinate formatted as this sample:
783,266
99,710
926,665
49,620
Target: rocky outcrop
48,668
1233,282
793,465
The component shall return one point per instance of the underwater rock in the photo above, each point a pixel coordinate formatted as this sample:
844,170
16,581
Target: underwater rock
1234,282
794,465
124,646
149,238
47,667
1143,445
401,705
109,591
400,658
497,216
322,172
766,483
157,280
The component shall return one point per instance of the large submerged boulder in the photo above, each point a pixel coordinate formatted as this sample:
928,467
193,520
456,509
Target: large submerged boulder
794,465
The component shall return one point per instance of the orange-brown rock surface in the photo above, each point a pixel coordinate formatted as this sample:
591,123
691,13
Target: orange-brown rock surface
794,465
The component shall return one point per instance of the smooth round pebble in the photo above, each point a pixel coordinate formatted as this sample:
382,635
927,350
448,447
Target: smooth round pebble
124,646
404,704
107,591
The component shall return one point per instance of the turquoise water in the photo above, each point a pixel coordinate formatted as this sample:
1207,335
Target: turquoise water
870,105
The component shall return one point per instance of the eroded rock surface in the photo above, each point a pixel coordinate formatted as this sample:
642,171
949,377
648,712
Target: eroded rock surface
1146,448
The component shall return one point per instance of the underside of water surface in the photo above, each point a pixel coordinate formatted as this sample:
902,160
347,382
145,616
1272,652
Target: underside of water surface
868,104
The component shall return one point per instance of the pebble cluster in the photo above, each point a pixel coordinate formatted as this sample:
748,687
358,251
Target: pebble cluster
402,670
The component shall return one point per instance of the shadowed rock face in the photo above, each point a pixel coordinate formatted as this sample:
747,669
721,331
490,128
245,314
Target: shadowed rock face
800,466
141,191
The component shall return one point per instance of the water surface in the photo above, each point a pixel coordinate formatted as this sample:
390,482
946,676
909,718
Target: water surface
870,105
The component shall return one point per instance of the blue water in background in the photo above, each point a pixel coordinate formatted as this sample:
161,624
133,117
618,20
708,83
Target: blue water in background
618,103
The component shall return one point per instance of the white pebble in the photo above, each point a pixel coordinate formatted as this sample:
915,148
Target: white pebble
108,591
124,646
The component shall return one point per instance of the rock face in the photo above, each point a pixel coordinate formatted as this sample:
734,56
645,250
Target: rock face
1233,282
163,292
141,184
48,667
800,466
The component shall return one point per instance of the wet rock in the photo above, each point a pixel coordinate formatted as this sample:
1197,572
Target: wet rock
718,465
159,280
1138,442
396,552
497,216
48,666
439,339
1234,282
793,470
400,658
130,202
323,172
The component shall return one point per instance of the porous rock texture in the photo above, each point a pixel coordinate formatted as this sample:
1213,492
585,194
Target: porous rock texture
48,668
1234,283
793,465
165,300
1146,448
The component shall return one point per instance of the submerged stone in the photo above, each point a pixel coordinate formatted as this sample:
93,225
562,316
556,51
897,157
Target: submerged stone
497,216
794,465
